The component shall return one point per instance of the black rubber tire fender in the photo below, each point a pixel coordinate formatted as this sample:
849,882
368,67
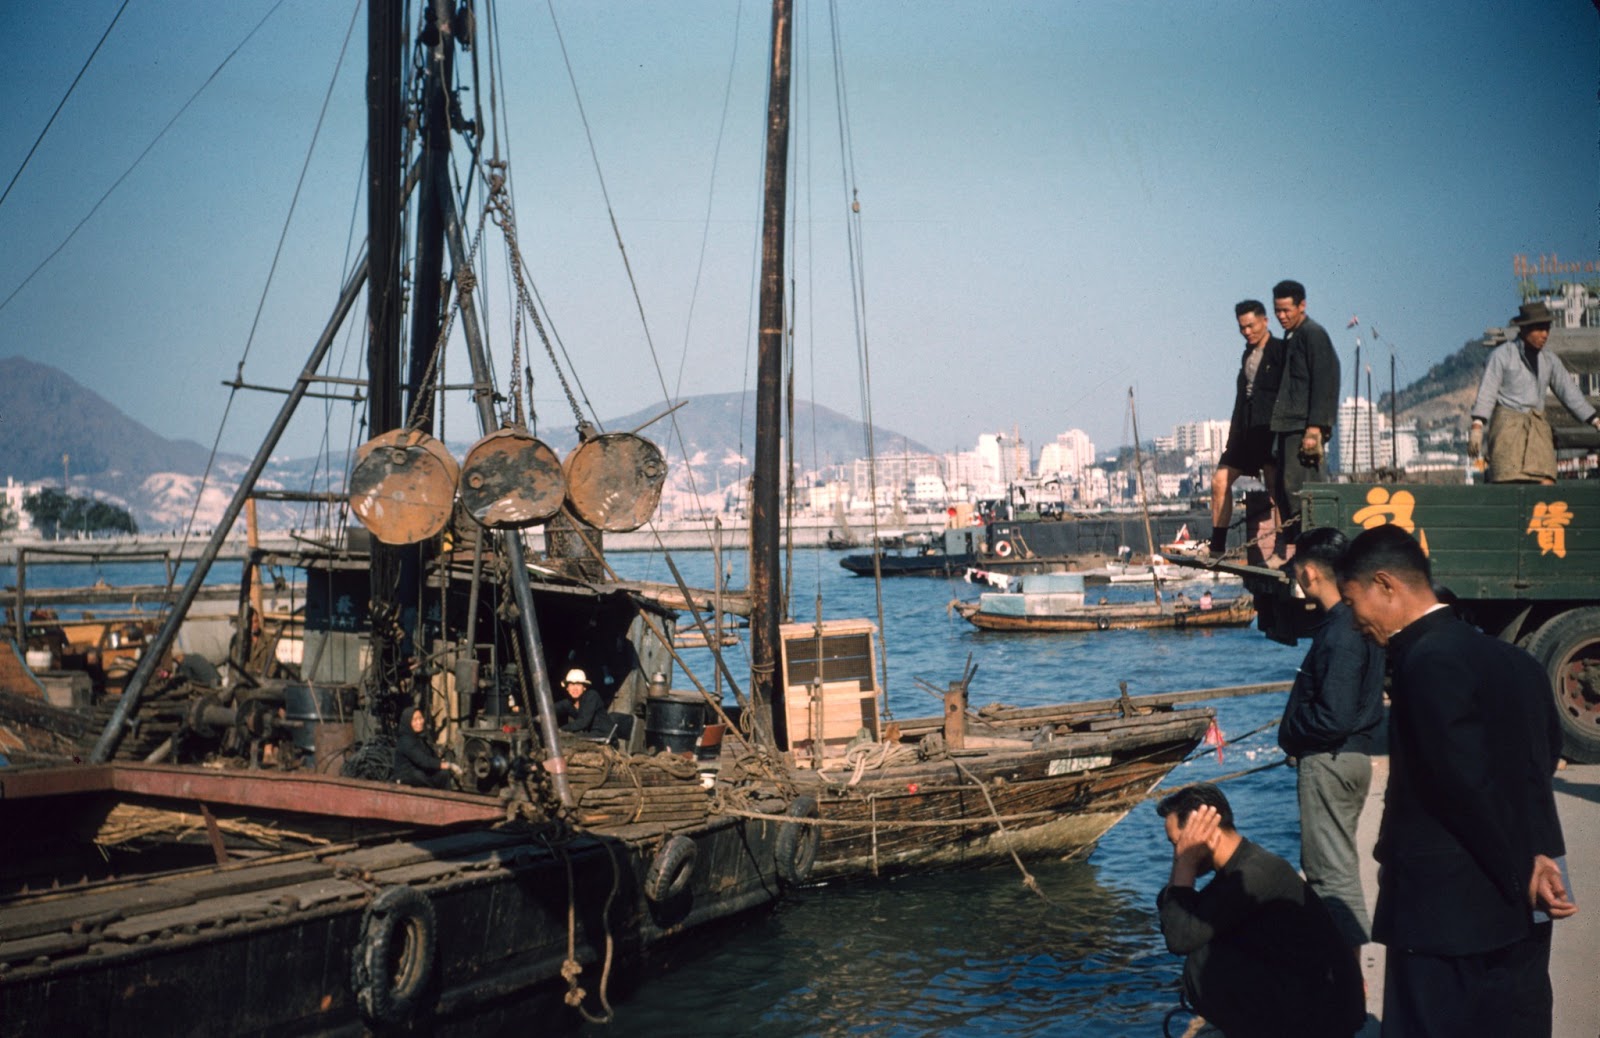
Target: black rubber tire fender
1568,647
392,964
671,869
795,850
1103,623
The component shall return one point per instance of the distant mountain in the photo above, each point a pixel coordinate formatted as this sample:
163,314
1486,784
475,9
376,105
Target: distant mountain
45,413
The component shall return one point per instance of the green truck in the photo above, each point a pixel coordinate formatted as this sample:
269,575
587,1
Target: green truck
1522,560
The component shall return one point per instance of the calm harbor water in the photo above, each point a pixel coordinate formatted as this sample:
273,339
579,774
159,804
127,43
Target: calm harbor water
975,952
961,953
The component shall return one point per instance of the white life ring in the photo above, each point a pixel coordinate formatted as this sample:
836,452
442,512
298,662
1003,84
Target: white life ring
1002,549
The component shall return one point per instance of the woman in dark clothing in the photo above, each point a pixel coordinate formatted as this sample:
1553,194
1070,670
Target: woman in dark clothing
415,763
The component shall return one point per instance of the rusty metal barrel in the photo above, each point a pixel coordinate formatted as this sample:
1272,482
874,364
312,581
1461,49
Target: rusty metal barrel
510,480
614,481
403,487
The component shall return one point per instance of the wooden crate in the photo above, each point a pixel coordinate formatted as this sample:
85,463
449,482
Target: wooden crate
829,686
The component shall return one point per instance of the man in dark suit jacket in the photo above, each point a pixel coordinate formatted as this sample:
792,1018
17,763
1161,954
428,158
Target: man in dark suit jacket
1469,829
1307,404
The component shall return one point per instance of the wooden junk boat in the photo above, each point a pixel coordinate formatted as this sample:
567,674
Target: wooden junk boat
930,792
1055,602
262,874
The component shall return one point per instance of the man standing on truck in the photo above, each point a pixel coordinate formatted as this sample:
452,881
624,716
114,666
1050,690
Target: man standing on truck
1330,729
1469,832
1307,404
1511,398
1249,448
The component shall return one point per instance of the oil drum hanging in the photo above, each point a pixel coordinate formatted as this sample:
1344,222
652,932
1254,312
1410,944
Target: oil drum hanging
510,480
614,481
403,487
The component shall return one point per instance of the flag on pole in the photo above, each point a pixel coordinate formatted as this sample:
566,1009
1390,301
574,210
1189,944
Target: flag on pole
1354,320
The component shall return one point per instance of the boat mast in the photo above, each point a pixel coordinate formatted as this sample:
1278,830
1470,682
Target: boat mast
1144,503
391,567
764,511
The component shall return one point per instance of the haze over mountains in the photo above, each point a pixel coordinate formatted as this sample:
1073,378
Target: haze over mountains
45,413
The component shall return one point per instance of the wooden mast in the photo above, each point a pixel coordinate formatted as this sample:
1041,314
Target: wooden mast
764,512
1144,503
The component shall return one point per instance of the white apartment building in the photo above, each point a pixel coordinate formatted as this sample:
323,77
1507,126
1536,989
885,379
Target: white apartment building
1006,457
1068,455
15,493
1205,440
895,475
1362,439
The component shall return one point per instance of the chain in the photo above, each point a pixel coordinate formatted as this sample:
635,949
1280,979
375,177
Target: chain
500,203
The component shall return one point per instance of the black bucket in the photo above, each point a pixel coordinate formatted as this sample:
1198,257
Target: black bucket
322,718
673,723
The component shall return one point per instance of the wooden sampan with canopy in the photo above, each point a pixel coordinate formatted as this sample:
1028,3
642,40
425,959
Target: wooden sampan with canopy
511,480
403,487
614,481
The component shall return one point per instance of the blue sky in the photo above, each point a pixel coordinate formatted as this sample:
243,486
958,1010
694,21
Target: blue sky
1059,200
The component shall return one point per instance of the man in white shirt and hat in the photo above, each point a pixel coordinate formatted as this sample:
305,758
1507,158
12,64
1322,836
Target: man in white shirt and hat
1511,401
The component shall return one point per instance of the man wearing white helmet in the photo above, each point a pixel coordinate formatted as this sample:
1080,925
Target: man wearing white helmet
583,711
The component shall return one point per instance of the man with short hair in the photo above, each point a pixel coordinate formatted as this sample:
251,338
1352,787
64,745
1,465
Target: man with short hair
1469,829
1307,405
1262,956
1249,448
1330,729
1511,399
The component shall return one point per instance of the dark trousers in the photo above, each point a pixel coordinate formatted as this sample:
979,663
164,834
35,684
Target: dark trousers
1291,476
1503,992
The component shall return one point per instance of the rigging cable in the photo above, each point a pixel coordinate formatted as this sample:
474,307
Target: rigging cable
136,162
858,285
282,236
62,103
616,231
700,262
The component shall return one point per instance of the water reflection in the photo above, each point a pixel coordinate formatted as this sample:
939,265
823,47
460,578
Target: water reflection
958,953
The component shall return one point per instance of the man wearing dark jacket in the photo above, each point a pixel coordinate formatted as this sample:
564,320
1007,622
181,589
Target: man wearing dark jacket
1330,729
1308,401
1262,957
1249,448
1469,829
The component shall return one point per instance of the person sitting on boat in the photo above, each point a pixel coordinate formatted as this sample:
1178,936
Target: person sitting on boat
583,711
1262,955
1205,599
1511,400
415,763
195,669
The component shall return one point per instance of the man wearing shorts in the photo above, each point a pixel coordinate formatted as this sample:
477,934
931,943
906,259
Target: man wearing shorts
1249,449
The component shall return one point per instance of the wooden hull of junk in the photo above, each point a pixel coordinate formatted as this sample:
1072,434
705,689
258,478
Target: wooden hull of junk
1239,612
980,805
402,908
968,788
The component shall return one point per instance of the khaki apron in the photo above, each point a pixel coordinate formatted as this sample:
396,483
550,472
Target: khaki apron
1521,447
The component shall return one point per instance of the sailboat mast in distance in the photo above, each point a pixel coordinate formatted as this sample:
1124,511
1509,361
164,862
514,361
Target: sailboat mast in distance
764,541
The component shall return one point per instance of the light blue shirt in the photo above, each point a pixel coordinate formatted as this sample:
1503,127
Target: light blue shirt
1508,382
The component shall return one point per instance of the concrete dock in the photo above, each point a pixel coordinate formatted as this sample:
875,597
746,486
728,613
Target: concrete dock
1575,947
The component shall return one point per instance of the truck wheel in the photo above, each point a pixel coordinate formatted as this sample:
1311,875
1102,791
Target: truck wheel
1569,648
